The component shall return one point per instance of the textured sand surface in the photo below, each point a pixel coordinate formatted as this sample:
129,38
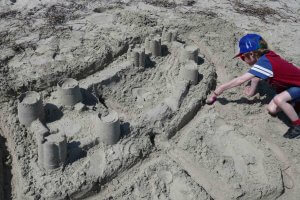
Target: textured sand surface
142,129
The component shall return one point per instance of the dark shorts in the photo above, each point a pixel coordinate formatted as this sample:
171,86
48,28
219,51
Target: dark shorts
295,94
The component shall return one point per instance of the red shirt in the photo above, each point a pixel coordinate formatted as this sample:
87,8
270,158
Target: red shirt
285,74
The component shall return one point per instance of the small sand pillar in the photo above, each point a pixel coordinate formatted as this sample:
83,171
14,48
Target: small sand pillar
155,46
189,72
129,52
189,53
109,128
40,131
170,35
147,45
69,92
54,151
139,57
30,108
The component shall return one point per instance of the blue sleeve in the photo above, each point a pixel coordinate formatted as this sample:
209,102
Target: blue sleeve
262,68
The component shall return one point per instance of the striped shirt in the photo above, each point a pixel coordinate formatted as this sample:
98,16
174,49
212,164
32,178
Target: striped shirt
262,68
279,73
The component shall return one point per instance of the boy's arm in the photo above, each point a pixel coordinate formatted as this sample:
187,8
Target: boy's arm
250,90
233,83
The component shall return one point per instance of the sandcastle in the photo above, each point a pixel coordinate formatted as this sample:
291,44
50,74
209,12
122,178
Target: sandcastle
51,144
121,121
64,134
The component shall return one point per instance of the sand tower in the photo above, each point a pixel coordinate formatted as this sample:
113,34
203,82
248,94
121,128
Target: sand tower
129,52
53,151
108,128
189,72
170,35
69,92
153,45
147,45
139,57
40,131
30,108
189,53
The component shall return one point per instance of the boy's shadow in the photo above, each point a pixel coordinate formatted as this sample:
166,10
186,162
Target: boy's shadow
267,94
264,101
242,100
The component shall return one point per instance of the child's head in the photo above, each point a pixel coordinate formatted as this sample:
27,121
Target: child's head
252,47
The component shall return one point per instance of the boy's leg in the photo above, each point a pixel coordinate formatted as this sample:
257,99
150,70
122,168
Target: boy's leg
281,100
273,109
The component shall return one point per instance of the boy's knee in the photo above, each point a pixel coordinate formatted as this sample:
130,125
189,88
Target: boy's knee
272,110
277,100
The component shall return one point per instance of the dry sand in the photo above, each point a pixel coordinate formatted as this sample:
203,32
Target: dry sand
167,144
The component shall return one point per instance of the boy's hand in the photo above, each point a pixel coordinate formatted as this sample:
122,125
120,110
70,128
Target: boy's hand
248,91
211,100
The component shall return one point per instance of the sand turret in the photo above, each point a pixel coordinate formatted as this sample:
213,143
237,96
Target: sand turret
30,108
169,35
189,52
147,45
189,72
40,131
109,128
138,57
54,151
69,92
129,52
153,45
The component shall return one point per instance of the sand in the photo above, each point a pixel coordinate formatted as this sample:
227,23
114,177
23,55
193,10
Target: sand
159,140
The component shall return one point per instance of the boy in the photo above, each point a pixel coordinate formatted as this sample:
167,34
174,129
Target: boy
283,76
